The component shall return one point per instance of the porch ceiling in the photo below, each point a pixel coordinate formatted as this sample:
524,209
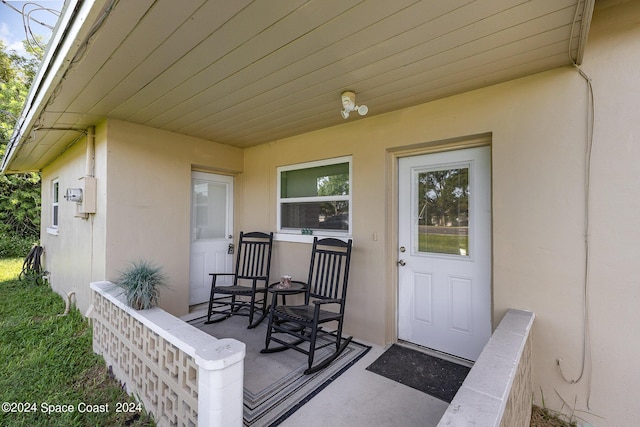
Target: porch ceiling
246,72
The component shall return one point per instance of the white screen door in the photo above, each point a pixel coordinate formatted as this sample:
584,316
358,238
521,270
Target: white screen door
444,253
211,231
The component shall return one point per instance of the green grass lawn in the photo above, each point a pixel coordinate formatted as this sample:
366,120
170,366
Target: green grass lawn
442,244
49,375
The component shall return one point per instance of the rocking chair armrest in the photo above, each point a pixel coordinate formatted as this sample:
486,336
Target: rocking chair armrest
319,303
254,278
328,301
215,277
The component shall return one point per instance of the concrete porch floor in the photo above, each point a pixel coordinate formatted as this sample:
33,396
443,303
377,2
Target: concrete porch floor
361,398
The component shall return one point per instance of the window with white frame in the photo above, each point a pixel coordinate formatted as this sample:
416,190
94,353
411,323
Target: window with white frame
55,194
315,196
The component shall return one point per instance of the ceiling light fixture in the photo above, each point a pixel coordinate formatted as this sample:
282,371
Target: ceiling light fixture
349,105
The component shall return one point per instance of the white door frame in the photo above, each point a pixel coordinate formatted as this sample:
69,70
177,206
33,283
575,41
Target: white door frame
391,275
210,255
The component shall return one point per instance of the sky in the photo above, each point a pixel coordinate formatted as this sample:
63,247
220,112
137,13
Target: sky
12,30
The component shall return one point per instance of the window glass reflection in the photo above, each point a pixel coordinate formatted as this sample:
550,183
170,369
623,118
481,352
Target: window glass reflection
443,211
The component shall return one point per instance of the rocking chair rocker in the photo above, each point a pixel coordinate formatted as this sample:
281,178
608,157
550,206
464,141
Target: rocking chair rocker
295,326
250,280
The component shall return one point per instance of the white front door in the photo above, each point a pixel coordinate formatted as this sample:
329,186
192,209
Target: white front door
211,232
444,253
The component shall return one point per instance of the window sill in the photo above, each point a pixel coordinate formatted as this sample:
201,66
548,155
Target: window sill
306,238
52,231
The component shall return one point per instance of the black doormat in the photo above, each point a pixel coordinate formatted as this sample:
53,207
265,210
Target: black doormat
437,377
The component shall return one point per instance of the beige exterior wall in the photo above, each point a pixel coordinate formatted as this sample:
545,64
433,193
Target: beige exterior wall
143,208
539,140
76,255
149,194
613,62
538,131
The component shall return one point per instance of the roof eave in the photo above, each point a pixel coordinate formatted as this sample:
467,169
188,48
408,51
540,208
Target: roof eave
72,32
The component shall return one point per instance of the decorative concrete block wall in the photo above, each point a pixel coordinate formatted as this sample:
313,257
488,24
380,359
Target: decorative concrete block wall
517,411
182,375
498,390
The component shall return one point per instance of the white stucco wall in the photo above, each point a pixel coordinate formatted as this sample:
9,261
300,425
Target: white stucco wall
613,63
143,208
538,133
76,255
538,126
149,194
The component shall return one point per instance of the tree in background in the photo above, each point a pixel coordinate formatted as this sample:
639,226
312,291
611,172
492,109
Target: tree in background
334,185
444,197
20,193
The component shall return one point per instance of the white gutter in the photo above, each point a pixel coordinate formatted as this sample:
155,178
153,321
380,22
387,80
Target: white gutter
71,34
587,15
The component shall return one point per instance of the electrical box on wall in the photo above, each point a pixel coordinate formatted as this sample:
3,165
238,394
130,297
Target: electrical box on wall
73,195
87,203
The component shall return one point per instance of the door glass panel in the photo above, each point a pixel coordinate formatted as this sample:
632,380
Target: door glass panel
209,210
443,211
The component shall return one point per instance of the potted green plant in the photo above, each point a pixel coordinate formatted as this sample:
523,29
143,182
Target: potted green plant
140,283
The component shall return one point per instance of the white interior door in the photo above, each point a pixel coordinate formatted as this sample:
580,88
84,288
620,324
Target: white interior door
444,254
211,231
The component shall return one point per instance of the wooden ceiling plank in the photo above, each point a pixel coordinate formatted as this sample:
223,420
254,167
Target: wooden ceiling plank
325,29
151,30
404,22
50,147
488,34
491,72
483,51
483,80
260,73
349,53
462,71
234,32
272,39
158,24
191,32
253,137
118,24
243,87
288,94
418,69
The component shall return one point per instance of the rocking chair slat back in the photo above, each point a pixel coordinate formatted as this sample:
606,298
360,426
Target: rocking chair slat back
254,257
300,327
250,280
329,270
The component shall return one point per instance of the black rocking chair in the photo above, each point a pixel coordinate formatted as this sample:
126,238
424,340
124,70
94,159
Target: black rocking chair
295,326
250,281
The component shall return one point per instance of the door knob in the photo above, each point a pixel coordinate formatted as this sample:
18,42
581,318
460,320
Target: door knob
402,263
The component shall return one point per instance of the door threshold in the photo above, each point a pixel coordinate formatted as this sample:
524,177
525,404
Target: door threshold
196,311
435,353
198,307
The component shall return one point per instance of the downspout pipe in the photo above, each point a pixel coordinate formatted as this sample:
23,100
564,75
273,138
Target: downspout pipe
91,152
